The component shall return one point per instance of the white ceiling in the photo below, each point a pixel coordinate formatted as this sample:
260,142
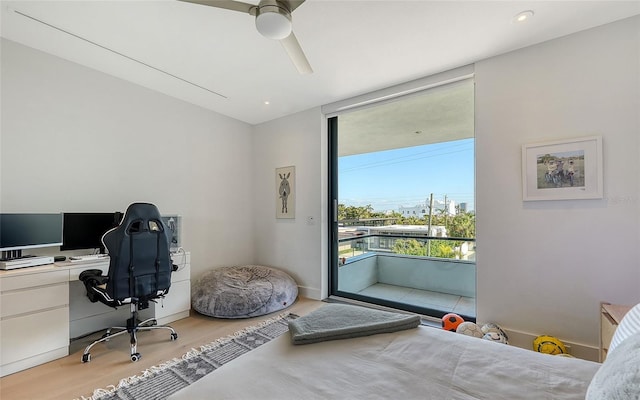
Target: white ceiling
440,114
353,46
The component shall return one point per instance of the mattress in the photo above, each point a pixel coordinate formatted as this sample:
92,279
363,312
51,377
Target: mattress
420,363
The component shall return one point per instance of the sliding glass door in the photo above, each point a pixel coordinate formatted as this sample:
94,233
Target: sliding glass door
402,198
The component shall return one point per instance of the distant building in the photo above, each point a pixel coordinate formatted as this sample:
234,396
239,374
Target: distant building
417,211
422,210
407,230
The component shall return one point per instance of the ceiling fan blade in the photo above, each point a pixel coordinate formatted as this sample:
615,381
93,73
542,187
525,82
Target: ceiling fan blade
291,45
293,4
226,4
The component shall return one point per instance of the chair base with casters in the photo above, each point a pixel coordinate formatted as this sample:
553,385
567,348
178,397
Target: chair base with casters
93,281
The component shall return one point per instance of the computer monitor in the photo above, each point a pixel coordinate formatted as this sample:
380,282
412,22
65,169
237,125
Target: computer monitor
28,231
84,230
174,222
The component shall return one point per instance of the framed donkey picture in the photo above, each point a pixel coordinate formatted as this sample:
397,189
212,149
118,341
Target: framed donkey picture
286,192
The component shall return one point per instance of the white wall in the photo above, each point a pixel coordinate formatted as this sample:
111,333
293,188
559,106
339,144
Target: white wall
74,139
543,267
297,246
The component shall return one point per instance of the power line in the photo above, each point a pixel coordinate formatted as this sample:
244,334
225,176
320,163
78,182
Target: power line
430,150
386,163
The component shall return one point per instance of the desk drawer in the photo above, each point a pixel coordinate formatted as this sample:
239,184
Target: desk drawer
29,300
182,274
178,299
34,334
74,273
33,280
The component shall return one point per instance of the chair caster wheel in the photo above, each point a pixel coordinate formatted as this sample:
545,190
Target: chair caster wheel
135,357
174,336
86,357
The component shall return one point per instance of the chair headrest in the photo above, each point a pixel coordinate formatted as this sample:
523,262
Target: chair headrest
139,217
144,211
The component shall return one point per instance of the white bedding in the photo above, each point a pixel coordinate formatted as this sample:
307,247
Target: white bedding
420,363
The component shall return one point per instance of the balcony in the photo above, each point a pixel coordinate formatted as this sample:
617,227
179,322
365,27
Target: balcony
369,267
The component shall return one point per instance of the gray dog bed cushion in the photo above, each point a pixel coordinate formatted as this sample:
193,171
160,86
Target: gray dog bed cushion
342,321
243,291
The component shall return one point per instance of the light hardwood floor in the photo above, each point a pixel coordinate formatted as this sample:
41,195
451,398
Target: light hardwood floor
69,378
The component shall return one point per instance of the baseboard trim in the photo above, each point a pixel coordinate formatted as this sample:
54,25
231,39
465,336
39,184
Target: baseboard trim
310,293
525,340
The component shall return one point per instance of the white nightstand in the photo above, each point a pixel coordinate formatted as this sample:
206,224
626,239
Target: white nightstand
610,317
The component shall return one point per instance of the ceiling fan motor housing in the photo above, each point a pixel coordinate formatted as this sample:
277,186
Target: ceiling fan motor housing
273,19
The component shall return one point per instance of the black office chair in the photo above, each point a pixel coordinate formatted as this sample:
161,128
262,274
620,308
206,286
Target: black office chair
140,270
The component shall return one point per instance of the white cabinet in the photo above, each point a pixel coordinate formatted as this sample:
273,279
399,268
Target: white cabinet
42,307
34,323
610,317
86,317
177,302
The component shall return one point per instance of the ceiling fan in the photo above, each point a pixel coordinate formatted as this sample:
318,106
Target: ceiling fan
273,21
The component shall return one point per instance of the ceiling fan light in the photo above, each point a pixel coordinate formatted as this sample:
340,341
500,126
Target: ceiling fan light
274,23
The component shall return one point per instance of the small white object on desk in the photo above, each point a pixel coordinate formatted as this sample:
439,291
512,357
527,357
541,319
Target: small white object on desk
90,257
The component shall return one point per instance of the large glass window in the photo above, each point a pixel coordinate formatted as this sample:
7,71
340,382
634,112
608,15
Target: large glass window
402,188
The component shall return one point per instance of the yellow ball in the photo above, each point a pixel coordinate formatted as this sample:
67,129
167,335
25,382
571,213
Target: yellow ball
549,345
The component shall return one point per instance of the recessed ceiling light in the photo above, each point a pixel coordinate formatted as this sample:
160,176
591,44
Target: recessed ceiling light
267,102
522,17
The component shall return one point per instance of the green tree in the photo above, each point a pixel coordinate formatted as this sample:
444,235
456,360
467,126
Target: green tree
362,212
413,221
353,212
462,225
409,246
437,219
436,248
441,249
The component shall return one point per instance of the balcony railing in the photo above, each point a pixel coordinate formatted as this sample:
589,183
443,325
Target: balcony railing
408,244
411,269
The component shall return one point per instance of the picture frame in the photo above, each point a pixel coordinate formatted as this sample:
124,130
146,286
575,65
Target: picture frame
286,192
563,170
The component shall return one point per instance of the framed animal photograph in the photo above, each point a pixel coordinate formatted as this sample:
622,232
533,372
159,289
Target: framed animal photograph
286,192
562,170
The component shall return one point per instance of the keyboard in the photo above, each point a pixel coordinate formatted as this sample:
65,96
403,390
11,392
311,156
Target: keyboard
90,257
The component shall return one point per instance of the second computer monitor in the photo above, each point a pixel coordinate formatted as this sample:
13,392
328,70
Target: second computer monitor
85,230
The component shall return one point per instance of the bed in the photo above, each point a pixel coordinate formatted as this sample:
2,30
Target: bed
419,363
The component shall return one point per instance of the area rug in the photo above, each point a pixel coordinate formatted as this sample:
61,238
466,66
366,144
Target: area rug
159,382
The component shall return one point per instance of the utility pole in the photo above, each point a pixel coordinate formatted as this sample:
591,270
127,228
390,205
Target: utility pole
430,213
446,212
429,225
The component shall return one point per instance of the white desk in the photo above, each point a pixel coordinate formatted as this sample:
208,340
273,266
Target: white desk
42,307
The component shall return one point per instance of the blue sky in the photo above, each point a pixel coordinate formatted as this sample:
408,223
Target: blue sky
406,177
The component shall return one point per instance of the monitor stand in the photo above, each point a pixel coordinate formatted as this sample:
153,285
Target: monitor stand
7,255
